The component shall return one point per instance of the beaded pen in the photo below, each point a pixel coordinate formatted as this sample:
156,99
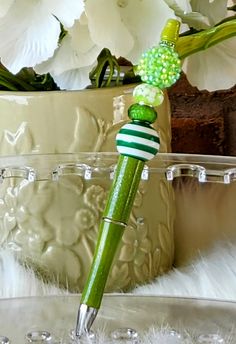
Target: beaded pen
137,142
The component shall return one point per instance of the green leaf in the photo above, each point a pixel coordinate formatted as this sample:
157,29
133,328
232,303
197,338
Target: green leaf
232,8
12,82
103,73
25,80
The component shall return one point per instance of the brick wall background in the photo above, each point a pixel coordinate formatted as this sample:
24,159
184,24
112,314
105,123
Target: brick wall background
203,122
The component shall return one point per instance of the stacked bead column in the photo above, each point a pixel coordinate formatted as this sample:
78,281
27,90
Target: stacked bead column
137,142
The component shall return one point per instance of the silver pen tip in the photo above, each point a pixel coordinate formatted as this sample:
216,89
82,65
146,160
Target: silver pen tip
85,319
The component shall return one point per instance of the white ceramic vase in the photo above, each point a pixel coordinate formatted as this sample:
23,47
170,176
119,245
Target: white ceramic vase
45,220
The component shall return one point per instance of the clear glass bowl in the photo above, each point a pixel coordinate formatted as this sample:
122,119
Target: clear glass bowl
54,317
51,206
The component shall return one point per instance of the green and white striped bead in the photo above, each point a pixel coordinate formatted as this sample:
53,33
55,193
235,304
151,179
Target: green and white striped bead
138,140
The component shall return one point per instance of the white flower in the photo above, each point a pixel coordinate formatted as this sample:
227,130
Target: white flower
214,68
184,11
5,5
73,59
29,30
134,26
126,28
214,10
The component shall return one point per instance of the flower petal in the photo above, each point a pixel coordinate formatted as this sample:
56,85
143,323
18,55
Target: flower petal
73,60
74,79
32,40
65,11
4,7
76,50
107,28
205,69
139,258
145,245
215,11
129,236
80,37
3,208
71,55
183,10
127,253
145,21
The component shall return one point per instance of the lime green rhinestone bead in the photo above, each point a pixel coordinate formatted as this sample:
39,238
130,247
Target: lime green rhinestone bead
143,113
160,66
148,94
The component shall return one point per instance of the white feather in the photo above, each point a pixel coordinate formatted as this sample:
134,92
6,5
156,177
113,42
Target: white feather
17,280
211,275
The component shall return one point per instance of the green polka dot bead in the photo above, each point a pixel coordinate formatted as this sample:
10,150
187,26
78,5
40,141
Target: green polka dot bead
148,94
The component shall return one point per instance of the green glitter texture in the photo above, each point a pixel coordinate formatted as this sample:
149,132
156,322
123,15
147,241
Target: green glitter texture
160,66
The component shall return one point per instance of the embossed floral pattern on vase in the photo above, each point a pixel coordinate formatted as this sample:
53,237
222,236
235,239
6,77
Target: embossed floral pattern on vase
53,225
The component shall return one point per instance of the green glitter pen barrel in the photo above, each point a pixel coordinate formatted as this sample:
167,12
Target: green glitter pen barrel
114,221
137,142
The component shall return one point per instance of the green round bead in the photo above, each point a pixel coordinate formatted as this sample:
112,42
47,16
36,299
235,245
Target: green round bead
160,66
143,113
148,94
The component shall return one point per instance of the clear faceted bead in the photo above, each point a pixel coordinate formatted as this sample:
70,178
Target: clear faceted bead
175,333
4,340
125,335
211,338
38,337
